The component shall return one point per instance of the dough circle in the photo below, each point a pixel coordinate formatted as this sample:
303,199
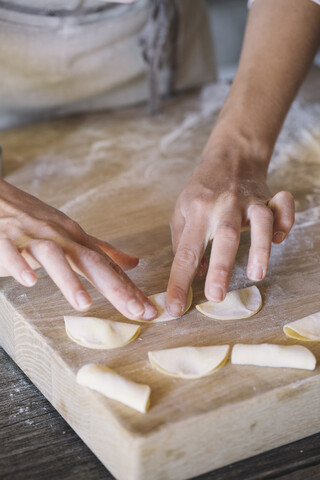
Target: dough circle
159,300
92,332
306,329
114,386
189,362
269,355
238,304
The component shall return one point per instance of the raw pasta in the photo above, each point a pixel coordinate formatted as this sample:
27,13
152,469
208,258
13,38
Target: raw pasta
112,385
305,329
269,355
238,304
189,362
92,332
159,300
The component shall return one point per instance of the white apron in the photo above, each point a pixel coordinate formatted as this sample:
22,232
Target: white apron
87,57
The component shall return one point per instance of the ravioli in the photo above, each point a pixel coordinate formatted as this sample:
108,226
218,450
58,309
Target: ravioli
238,304
92,332
189,362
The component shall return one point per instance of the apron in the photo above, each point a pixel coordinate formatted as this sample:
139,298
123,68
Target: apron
96,56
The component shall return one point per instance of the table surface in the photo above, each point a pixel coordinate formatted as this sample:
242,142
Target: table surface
35,441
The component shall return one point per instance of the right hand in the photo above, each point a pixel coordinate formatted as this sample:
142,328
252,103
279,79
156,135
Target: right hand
33,234
226,193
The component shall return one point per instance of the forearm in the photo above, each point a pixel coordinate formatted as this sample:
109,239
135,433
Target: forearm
281,40
228,190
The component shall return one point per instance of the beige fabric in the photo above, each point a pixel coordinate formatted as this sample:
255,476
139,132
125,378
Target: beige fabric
63,4
65,64
250,2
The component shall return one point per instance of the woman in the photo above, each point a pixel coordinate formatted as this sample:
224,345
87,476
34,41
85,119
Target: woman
227,191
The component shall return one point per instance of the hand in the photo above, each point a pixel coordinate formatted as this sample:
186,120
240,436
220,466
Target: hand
228,190
33,234
224,195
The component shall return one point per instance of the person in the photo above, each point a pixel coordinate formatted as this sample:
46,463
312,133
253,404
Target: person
227,191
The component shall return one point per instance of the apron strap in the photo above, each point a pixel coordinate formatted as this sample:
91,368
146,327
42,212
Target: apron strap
158,42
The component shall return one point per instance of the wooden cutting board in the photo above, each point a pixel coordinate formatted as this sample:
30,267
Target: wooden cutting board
118,175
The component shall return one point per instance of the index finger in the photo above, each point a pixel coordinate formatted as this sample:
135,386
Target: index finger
223,253
111,282
184,267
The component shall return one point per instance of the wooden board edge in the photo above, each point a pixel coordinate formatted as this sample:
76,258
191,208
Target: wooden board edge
219,438
82,409
177,451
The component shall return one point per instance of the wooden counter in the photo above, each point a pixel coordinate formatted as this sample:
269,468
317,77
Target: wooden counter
118,175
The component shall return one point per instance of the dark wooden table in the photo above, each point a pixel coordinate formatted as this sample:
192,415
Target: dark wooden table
36,443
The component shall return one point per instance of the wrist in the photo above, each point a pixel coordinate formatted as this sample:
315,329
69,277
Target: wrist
232,158
235,142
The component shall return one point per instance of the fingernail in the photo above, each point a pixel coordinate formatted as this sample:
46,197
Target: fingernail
28,277
175,308
255,273
83,300
216,294
135,308
150,312
278,237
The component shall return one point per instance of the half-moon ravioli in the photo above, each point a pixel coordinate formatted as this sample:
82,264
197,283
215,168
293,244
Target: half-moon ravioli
159,301
92,332
306,329
189,362
238,304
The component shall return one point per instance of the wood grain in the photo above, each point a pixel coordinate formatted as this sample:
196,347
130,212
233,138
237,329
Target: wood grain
119,175
37,443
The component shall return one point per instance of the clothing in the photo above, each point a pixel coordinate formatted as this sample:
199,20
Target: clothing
57,61
250,2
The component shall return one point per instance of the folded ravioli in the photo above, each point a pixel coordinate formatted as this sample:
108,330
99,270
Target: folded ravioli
114,386
306,329
159,300
92,332
238,304
189,362
269,355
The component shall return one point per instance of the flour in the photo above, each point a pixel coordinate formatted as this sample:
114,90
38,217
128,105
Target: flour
168,148
212,99
308,217
301,128
86,196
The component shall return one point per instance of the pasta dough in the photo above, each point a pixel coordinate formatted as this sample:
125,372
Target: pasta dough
238,304
159,300
112,385
306,329
189,362
268,355
97,333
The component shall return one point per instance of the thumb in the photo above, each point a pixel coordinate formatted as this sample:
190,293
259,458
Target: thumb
124,260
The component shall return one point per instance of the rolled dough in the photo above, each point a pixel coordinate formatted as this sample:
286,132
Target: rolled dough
238,304
97,333
112,385
189,362
268,355
159,300
306,329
